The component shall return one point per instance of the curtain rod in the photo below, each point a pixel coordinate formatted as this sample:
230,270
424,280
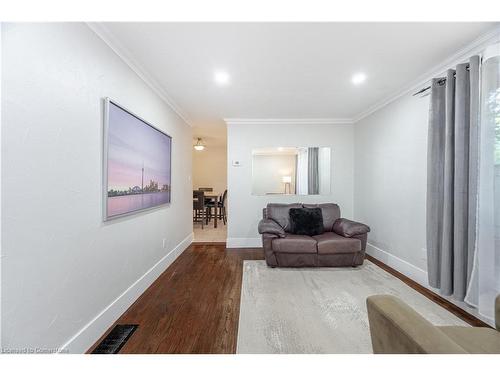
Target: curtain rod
440,81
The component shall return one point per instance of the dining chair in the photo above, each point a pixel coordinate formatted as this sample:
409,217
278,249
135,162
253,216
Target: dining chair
200,210
222,208
220,205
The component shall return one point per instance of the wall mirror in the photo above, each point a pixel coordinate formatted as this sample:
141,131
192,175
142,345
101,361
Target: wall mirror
291,171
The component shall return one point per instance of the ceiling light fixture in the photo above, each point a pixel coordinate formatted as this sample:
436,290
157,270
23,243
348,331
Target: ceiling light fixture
199,146
358,78
221,78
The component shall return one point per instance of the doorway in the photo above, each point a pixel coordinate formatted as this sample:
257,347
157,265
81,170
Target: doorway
209,186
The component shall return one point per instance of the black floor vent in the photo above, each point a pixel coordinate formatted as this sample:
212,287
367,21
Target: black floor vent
114,341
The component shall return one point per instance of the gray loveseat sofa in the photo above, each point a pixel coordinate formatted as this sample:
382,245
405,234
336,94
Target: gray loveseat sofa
342,244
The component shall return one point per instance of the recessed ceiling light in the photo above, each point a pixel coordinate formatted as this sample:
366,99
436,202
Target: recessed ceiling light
221,78
358,78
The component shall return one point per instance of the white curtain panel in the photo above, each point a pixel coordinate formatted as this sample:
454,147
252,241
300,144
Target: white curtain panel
302,171
485,279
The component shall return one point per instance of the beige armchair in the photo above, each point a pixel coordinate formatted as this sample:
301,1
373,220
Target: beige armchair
396,328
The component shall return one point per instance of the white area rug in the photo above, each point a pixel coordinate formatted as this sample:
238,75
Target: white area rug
318,310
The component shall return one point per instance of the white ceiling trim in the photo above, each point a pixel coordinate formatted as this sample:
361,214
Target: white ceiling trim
475,47
103,33
287,121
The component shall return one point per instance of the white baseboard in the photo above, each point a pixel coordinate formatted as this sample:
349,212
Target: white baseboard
400,265
243,242
93,330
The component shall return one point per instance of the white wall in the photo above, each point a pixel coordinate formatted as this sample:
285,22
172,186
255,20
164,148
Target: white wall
66,275
245,209
209,168
390,181
1,151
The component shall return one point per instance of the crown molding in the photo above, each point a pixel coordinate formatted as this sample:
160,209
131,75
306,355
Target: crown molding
102,32
287,121
476,46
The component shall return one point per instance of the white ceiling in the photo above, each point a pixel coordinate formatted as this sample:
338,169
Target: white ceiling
285,70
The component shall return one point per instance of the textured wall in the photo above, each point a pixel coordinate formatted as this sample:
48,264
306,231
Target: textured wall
245,209
209,168
390,176
61,264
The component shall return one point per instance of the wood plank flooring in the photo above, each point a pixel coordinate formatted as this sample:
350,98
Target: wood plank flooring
193,307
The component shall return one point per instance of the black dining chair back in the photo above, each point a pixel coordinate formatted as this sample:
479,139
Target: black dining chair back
199,209
198,200
222,209
224,198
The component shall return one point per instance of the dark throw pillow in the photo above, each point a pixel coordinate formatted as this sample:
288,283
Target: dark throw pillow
307,221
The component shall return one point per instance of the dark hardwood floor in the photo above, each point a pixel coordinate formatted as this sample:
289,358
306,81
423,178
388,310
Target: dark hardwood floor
193,307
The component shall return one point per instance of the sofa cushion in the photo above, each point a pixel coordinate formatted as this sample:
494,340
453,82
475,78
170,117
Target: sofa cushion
330,212
294,243
332,243
281,214
306,221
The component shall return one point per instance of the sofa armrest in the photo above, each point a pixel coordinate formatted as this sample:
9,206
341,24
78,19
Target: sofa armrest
349,228
271,227
396,328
